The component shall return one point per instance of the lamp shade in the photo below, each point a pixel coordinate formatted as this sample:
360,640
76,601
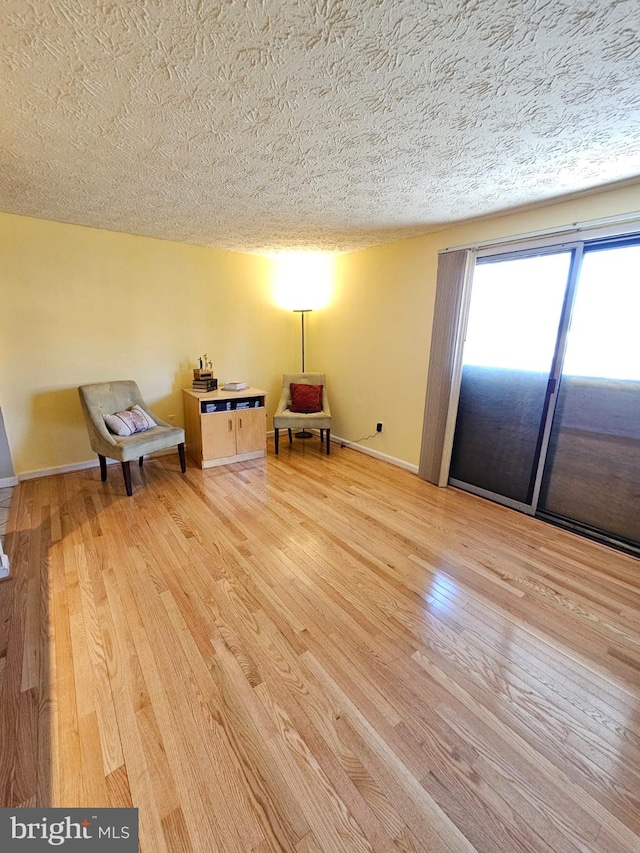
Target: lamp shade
302,280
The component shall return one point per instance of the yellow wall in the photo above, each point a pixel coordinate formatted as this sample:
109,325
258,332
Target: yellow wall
83,305
374,344
374,338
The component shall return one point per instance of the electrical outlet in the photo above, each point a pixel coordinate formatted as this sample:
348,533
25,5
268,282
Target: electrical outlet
379,426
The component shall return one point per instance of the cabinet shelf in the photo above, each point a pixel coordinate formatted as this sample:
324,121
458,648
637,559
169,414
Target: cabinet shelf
209,406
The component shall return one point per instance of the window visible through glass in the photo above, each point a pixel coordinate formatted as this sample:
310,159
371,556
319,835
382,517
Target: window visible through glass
604,339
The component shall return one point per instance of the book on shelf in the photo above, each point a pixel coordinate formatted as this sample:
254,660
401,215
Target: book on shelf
235,385
215,406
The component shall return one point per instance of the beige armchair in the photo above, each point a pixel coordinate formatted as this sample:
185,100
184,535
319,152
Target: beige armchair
107,398
284,418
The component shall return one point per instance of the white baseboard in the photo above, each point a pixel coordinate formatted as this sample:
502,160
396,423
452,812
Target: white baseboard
392,460
368,451
80,466
60,469
8,482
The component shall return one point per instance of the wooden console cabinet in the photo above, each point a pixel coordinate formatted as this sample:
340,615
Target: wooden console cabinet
236,433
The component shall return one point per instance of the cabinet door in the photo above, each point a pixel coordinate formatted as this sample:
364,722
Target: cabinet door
218,435
251,430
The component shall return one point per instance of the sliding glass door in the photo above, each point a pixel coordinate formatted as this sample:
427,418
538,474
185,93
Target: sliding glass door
592,472
549,412
509,357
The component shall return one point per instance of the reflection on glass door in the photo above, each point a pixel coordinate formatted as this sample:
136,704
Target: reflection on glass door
510,351
592,472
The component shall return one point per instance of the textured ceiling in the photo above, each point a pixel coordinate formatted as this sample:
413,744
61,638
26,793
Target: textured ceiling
325,124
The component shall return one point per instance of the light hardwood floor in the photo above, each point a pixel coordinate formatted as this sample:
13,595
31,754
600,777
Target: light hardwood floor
311,653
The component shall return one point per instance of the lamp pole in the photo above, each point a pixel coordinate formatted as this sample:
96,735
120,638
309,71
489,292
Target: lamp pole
302,312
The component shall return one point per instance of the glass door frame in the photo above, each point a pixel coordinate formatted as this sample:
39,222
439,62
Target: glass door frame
556,371
602,243
551,397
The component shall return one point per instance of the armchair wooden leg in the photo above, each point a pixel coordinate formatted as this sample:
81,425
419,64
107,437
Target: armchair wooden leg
328,442
276,438
103,468
290,436
321,435
126,473
183,461
140,461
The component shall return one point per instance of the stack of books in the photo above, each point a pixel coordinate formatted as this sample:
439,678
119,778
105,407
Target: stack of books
205,385
235,385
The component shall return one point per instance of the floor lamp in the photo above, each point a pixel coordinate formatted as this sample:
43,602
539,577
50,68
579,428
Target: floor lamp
302,311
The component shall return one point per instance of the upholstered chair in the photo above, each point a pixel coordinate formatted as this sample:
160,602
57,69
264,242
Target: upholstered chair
284,418
108,398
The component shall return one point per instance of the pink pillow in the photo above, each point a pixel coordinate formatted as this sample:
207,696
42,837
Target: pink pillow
306,399
133,420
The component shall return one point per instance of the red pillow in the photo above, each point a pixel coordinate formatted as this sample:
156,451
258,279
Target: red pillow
306,399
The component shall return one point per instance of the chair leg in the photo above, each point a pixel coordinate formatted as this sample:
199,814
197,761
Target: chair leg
126,473
328,442
183,461
321,435
276,438
290,436
140,461
103,468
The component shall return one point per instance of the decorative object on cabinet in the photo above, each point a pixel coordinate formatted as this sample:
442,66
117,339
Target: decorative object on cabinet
203,378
